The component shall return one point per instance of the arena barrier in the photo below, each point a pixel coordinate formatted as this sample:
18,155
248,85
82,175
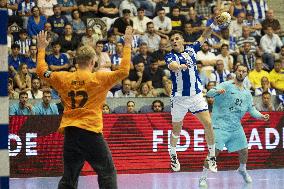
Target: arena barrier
139,144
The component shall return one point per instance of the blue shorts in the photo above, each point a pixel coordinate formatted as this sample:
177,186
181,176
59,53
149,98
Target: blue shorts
232,140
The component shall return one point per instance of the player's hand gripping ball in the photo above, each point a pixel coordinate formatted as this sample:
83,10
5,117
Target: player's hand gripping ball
223,20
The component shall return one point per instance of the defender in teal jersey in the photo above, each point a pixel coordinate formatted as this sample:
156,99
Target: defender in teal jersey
231,102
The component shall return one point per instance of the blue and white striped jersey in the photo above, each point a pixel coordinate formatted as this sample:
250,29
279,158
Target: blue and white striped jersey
185,82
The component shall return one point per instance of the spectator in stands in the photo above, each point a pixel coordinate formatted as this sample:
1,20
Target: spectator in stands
258,8
110,45
11,92
23,79
107,9
157,106
269,43
207,58
156,75
145,91
12,7
164,48
236,26
185,6
276,77
69,41
138,75
266,103
117,57
88,9
140,22
121,23
46,107
35,92
136,40
30,60
210,85
247,57
91,38
25,10
46,7
51,37
281,105
143,54
247,38
23,107
14,59
254,26
189,35
221,74
57,61
280,55
257,73
67,7
203,8
126,90
79,26
128,4
235,8
196,23
151,38
167,92
131,107
164,4
57,20
106,109
24,42
265,87
103,57
270,21
177,19
162,23
35,22
226,57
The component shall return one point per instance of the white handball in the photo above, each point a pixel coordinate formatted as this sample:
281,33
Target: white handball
224,20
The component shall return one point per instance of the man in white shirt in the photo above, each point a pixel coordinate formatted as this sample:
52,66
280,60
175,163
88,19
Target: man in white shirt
226,57
151,38
35,93
236,26
207,58
128,4
126,90
140,22
163,24
269,42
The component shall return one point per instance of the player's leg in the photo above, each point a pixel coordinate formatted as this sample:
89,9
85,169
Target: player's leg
73,160
205,119
178,111
238,143
100,159
243,158
205,171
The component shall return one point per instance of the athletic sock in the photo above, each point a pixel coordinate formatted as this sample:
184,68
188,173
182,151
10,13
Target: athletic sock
211,149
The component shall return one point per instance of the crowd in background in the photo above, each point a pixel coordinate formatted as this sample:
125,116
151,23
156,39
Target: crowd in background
253,38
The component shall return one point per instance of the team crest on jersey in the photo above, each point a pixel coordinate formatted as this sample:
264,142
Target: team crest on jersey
169,59
47,74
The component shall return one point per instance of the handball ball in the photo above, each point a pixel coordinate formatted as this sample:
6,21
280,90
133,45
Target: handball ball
226,18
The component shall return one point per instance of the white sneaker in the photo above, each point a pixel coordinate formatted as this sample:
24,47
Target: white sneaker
245,175
212,165
203,182
174,162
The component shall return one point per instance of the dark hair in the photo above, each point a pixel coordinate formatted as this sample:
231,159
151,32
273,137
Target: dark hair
15,45
173,32
35,7
23,93
48,91
129,102
198,62
55,43
159,101
265,93
126,11
55,6
241,65
160,9
224,45
176,7
148,23
140,9
99,42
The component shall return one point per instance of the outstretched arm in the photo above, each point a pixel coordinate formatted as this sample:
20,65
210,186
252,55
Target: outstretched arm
255,113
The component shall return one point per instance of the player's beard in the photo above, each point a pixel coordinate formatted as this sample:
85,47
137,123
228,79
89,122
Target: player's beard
240,79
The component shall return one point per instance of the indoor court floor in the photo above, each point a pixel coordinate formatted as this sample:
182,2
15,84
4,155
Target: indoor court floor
262,179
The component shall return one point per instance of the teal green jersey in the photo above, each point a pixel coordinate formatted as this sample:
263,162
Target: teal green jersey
230,107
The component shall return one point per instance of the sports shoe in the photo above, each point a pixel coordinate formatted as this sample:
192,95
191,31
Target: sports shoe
174,162
203,182
212,165
245,175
